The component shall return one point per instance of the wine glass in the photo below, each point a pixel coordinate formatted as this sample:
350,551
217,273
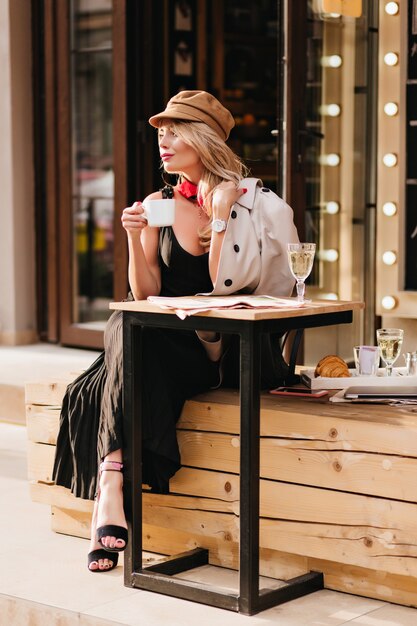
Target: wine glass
389,342
300,259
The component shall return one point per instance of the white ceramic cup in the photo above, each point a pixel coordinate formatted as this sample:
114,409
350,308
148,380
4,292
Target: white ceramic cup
366,360
159,212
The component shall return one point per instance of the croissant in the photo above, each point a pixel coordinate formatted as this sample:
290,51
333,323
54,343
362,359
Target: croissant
332,366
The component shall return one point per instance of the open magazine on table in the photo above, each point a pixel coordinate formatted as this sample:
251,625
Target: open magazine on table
189,305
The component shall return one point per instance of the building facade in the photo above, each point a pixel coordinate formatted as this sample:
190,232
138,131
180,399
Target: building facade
324,97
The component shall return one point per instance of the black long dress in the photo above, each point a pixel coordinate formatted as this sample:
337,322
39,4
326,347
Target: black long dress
176,367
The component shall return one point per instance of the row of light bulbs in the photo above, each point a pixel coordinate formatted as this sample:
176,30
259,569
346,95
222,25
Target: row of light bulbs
333,159
390,159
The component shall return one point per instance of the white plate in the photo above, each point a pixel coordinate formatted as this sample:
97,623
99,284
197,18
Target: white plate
398,378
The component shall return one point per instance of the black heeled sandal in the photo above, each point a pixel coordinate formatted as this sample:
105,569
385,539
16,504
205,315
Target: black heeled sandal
95,555
111,530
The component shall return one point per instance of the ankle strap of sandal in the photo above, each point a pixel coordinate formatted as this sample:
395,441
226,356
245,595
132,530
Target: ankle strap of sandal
112,466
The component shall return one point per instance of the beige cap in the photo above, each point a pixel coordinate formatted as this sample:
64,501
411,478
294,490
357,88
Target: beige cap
197,106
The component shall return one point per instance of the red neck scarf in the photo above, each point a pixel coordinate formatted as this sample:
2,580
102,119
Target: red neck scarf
189,191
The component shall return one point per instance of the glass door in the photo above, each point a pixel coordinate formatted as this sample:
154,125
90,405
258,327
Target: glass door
92,186
91,166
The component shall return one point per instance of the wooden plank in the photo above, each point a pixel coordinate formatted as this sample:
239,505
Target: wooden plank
310,463
216,485
376,428
367,546
224,553
366,582
307,462
209,450
40,461
282,502
355,428
48,392
71,522
61,497
42,423
300,461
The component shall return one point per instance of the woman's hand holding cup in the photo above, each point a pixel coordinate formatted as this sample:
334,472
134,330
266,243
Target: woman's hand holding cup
133,218
151,212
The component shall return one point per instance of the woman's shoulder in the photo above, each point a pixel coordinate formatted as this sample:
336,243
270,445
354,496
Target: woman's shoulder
156,195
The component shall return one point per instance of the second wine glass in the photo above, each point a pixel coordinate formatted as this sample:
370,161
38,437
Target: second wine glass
389,342
300,259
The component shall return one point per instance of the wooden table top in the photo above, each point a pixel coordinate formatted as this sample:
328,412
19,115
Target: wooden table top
315,307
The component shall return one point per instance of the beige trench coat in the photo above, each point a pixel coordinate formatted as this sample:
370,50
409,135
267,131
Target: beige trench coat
253,258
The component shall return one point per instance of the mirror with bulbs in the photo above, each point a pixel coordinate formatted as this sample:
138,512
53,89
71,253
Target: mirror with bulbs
338,162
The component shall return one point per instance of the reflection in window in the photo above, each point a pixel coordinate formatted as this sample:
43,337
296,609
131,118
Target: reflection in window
92,159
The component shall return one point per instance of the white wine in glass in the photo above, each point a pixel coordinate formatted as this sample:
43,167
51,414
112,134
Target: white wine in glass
300,259
389,342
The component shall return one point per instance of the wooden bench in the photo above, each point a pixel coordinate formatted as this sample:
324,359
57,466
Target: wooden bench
338,489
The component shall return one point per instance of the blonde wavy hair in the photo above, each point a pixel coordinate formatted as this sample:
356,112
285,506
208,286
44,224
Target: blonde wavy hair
219,162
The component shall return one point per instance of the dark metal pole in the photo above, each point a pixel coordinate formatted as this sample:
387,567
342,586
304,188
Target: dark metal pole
281,91
371,173
249,468
132,451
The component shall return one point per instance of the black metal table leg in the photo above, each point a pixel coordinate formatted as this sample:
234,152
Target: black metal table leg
250,353
132,412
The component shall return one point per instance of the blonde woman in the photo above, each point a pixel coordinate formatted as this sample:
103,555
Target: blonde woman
229,235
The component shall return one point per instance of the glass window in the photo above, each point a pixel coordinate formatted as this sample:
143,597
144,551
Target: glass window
92,160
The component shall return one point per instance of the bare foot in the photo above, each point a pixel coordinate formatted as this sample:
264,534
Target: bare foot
110,507
100,564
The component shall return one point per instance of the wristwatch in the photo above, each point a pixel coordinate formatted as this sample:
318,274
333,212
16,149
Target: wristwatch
218,226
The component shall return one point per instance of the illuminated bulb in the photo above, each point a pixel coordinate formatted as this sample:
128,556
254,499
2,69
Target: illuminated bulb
389,209
390,159
332,110
391,59
392,8
333,60
391,109
331,255
389,302
332,207
332,159
389,257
